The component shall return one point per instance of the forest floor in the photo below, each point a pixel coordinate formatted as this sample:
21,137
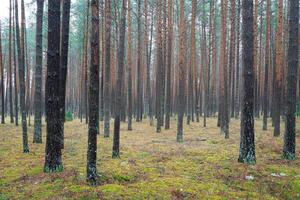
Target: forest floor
152,165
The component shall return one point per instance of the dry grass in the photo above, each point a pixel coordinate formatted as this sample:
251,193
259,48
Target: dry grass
152,165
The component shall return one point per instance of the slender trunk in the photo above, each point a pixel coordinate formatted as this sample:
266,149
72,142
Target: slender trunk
2,80
37,135
182,74
237,85
223,73
64,49
169,64
159,63
129,65
107,68
121,49
278,70
20,44
10,66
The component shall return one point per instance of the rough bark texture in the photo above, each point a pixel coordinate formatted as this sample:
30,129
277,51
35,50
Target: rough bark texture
37,135
53,160
121,49
93,96
247,145
64,49
293,56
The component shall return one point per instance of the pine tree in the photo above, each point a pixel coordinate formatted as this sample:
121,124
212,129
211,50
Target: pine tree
182,79
93,96
20,48
121,49
107,68
289,149
37,136
53,159
247,145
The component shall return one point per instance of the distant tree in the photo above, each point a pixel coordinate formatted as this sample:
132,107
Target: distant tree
237,64
121,49
10,64
278,70
139,89
93,96
2,80
224,121
159,62
14,36
20,48
247,144
129,66
182,74
53,159
267,62
107,68
289,149
169,64
37,136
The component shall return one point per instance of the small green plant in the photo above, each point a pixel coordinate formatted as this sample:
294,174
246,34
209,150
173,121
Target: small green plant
69,116
298,109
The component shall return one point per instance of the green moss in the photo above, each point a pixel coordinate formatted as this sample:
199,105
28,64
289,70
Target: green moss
3,197
113,191
122,178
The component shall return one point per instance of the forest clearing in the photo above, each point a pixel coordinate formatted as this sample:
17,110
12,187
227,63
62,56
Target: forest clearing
149,99
152,166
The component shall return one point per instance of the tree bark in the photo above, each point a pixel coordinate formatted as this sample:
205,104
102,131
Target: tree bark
107,68
289,149
20,44
247,145
93,96
121,49
64,49
53,160
37,135
182,79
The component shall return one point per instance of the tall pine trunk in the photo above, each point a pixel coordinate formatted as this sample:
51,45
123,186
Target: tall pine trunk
37,135
182,78
121,49
53,159
247,145
93,96
169,64
289,149
107,68
20,44
64,47
267,62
